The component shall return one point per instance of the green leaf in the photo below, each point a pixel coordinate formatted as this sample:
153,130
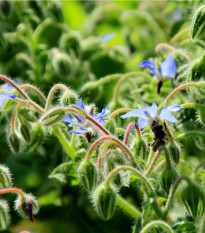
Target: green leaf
184,226
66,173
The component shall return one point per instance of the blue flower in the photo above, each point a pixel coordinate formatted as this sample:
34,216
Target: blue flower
5,95
108,37
167,68
81,122
148,115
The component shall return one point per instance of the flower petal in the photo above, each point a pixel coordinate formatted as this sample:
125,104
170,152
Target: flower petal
166,115
101,121
69,120
1,103
4,96
79,131
142,123
150,65
168,67
175,108
80,104
152,111
9,87
108,37
134,113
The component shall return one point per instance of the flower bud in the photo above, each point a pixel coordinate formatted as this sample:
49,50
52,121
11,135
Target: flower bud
69,97
202,115
14,142
52,117
62,63
197,26
71,43
26,114
105,201
5,7
4,215
90,46
110,126
25,132
140,147
167,178
5,177
88,175
193,198
26,206
174,152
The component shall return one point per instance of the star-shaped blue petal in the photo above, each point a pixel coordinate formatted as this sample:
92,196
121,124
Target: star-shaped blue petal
150,65
175,108
4,96
168,67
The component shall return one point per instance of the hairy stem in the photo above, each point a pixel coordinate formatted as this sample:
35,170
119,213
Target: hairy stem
155,223
12,190
127,207
29,86
127,132
51,93
118,111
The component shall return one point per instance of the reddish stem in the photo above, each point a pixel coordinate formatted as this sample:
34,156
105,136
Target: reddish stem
12,190
127,132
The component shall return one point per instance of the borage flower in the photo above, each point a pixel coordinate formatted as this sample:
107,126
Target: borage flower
82,122
5,93
167,70
149,115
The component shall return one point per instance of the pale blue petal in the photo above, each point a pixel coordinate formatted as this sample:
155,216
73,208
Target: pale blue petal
108,37
142,123
134,113
104,112
166,115
79,131
152,111
175,108
80,104
168,67
1,103
4,96
9,87
150,65
69,120
101,120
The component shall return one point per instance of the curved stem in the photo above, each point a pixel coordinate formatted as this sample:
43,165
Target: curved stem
119,111
200,165
155,223
64,142
95,84
31,103
123,78
193,105
138,173
174,188
12,190
8,80
131,124
29,86
164,46
51,93
100,159
154,161
159,165
178,89
13,121
191,133
118,143
127,207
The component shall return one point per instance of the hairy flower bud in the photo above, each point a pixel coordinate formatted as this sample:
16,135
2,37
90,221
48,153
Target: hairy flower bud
4,215
69,97
110,126
5,177
197,26
71,43
62,63
105,201
52,117
167,178
193,197
140,147
88,175
174,152
26,206
25,132
14,142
